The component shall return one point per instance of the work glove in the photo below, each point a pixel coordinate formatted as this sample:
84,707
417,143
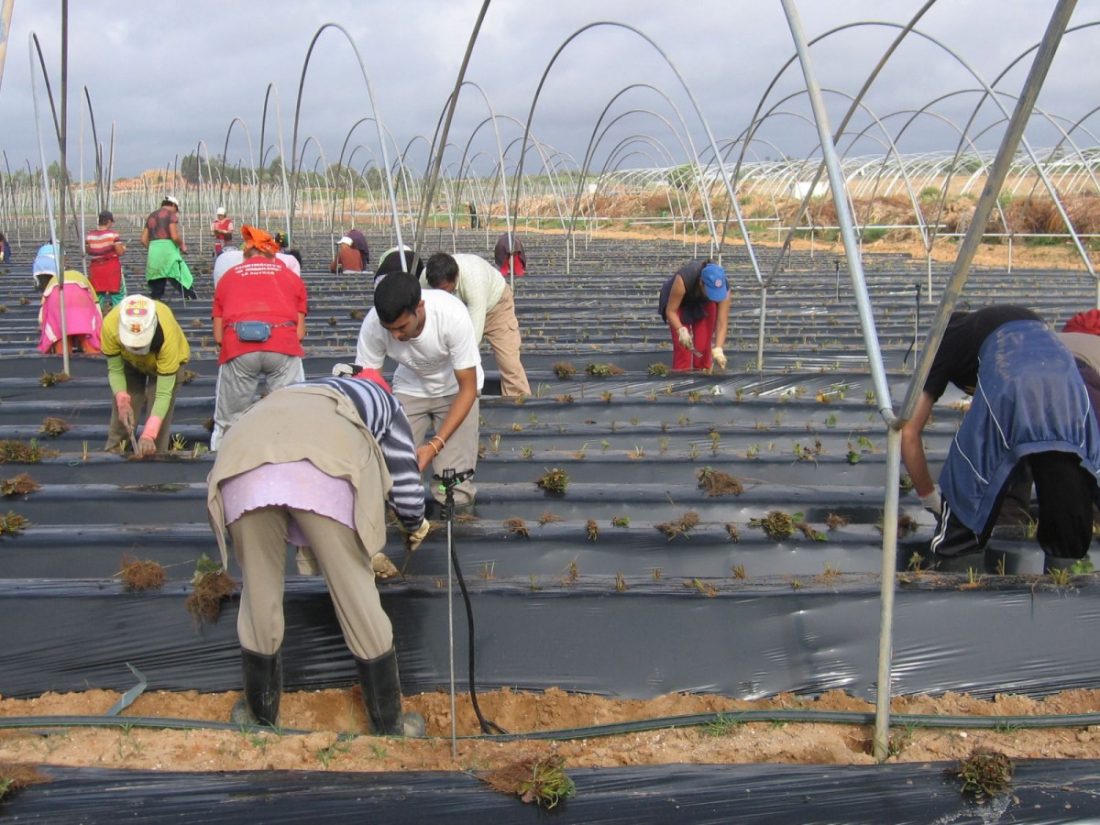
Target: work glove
414,538
686,341
146,446
933,501
719,357
382,566
343,370
125,410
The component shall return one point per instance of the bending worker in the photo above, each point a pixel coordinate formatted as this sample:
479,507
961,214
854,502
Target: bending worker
1031,412
492,308
145,348
314,464
695,303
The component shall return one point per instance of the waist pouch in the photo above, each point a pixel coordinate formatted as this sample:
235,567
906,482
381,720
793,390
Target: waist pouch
256,331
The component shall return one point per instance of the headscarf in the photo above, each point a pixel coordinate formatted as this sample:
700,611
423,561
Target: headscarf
255,238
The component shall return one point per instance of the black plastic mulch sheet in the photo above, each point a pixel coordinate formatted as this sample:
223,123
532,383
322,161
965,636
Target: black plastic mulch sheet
1043,791
652,638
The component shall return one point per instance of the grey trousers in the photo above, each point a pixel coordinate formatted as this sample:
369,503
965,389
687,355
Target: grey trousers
259,543
238,380
460,452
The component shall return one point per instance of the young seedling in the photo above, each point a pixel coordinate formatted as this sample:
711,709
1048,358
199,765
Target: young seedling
548,517
660,370
541,781
572,573
834,521
139,575
53,427
620,521
707,589
984,774
20,485
554,481
209,586
682,525
563,369
718,483
12,524
777,525
603,370
733,532
49,379
592,530
620,583
738,571
518,527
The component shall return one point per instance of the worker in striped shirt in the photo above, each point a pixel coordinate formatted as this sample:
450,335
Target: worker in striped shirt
313,464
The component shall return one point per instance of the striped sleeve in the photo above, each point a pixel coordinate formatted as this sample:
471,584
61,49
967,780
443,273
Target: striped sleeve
383,417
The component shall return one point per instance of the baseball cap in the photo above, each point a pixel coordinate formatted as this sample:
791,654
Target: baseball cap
172,199
714,282
137,321
221,210
346,240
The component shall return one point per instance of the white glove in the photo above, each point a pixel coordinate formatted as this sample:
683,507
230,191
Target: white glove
933,502
686,341
415,538
719,357
343,370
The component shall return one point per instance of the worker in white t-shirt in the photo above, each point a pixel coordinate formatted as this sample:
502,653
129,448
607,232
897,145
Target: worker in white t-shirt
438,377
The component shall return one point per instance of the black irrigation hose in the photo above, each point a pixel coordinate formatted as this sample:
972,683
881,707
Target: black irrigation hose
487,725
723,718
450,479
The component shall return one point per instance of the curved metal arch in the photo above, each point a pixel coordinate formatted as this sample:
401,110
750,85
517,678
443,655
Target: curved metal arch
597,138
374,108
689,151
687,90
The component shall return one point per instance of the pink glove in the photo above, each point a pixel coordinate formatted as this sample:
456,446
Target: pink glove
125,410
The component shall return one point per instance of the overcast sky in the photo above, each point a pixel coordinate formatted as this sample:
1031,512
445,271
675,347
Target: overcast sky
169,75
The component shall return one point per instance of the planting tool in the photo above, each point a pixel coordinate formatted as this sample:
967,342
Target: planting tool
448,481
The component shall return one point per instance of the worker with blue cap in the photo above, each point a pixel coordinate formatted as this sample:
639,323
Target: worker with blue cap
695,303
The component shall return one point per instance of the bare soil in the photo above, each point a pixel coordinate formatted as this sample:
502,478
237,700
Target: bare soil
333,714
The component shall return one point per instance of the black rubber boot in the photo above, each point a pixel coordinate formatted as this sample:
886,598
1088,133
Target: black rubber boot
382,697
263,687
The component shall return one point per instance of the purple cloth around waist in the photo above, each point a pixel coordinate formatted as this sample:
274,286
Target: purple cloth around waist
297,484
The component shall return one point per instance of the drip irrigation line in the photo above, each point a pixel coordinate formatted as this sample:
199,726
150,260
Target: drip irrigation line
723,718
487,725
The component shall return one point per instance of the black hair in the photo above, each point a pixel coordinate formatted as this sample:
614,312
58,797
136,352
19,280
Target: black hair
396,294
392,263
296,255
441,268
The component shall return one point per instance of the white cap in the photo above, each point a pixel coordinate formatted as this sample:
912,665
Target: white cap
221,210
137,321
172,199
346,240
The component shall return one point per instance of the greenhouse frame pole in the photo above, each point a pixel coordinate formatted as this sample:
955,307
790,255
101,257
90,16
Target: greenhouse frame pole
1014,133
